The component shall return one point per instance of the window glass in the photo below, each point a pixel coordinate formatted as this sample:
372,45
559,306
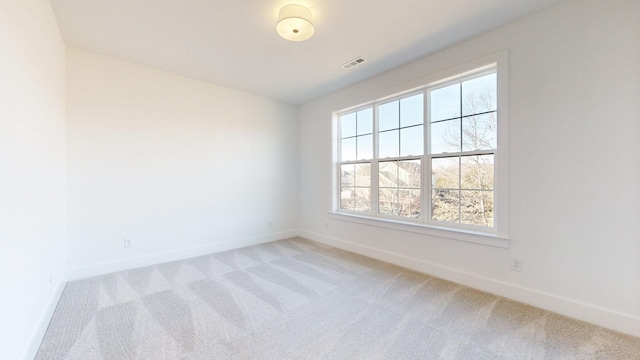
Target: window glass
363,175
400,186
479,95
445,103
348,149
411,110
477,172
411,142
364,147
365,121
445,136
389,116
476,207
389,144
479,132
348,125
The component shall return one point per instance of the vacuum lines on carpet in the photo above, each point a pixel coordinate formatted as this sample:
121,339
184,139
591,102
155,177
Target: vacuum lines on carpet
297,299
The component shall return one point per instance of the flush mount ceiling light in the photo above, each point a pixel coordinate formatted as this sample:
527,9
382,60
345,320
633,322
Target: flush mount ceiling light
294,23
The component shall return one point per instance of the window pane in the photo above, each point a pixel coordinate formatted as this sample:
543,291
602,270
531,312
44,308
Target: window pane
477,208
477,172
348,125
347,173
409,174
409,203
365,121
479,95
363,199
445,172
411,141
445,136
365,147
363,175
479,132
411,111
388,201
388,116
445,103
445,205
389,143
388,174
348,149
346,199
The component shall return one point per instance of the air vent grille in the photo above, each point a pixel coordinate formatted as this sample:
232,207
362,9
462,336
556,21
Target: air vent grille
354,62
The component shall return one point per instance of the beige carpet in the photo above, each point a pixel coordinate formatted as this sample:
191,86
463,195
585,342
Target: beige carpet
296,299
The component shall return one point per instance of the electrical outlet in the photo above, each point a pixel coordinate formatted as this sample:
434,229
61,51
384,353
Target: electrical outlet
269,223
128,243
516,264
326,226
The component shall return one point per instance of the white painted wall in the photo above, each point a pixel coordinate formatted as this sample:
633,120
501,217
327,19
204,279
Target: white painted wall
32,170
574,168
179,166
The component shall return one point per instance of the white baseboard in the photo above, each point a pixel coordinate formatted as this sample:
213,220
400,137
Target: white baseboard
596,315
43,323
158,258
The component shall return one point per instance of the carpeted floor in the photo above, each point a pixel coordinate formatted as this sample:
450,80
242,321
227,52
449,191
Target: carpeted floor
296,299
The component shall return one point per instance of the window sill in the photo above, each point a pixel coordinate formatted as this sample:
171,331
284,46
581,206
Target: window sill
475,237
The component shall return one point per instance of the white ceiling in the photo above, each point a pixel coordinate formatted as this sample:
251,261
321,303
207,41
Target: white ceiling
235,44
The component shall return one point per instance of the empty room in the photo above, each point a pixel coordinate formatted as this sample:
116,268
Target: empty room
283,179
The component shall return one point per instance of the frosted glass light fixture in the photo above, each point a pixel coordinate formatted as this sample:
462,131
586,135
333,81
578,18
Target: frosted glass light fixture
294,23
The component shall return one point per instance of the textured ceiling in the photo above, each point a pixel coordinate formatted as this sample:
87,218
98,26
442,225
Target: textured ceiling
235,44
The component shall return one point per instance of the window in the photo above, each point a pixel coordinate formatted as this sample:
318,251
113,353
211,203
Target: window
426,157
463,138
356,143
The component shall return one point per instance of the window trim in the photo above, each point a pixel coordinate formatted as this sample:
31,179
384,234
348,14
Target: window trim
399,224
498,235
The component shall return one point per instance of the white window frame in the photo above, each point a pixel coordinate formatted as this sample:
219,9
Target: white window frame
498,235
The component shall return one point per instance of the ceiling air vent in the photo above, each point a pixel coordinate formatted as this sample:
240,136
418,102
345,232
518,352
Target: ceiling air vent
354,62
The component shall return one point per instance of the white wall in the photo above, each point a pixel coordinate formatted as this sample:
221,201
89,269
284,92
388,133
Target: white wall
574,168
180,166
32,170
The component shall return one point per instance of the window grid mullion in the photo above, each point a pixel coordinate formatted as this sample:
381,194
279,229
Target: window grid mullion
355,162
397,187
399,137
466,116
459,190
353,190
426,160
459,163
401,158
357,136
375,165
465,153
339,153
